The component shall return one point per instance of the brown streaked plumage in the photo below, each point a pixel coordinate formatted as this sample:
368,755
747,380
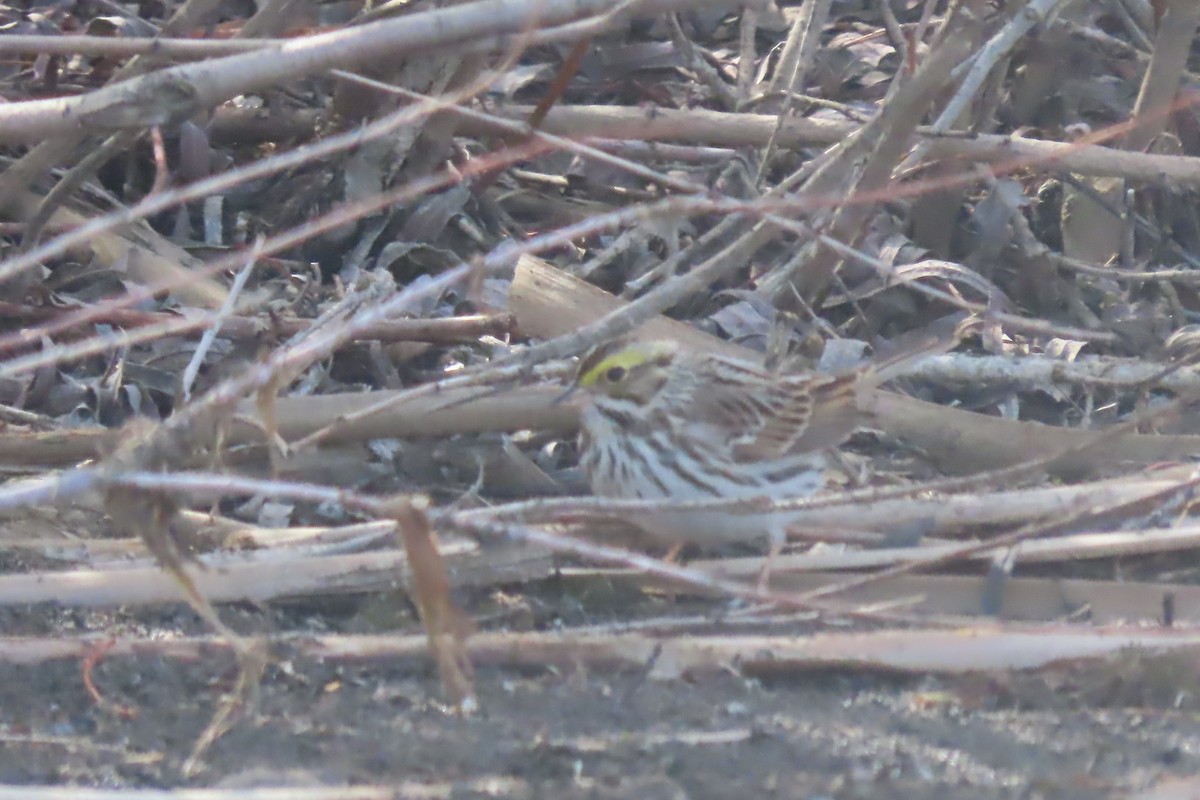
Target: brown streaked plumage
665,422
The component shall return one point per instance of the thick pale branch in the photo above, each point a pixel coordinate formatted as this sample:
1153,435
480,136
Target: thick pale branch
215,80
720,129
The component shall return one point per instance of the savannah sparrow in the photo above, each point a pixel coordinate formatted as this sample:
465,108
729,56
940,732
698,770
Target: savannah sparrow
665,422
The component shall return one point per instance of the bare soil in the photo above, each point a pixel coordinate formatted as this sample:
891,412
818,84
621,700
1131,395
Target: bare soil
554,733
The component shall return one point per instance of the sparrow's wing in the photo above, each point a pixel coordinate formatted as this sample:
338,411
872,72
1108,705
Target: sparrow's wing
748,413
756,415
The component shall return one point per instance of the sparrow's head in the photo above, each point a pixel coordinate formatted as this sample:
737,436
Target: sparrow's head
627,369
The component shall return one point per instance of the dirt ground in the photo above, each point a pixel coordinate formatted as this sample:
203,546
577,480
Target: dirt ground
551,733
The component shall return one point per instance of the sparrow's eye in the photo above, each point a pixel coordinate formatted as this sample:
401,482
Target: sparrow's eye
614,374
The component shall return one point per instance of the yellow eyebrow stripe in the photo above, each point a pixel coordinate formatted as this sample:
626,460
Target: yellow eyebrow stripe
628,359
